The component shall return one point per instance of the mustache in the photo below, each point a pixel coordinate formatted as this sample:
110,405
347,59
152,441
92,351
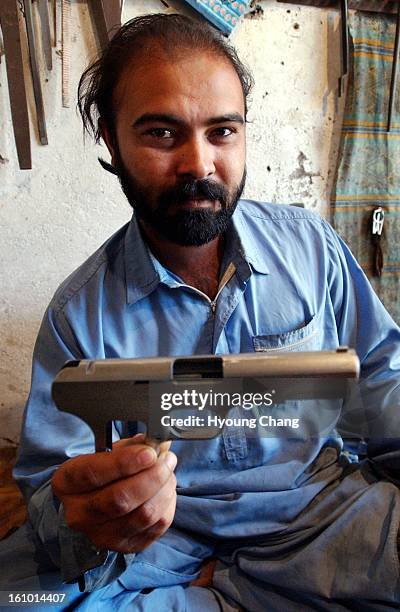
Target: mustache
202,189
189,190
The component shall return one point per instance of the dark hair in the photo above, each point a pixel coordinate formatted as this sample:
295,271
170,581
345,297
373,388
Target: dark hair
173,32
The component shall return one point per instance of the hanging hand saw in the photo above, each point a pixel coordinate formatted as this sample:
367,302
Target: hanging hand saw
43,9
16,83
66,51
37,88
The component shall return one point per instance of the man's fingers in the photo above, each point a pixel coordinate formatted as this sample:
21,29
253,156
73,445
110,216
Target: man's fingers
122,497
90,472
159,447
127,535
137,439
154,510
136,543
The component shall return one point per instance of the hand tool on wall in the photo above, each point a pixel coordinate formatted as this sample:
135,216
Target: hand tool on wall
112,13
393,81
344,27
55,17
99,18
378,217
43,10
66,51
37,88
107,18
16,82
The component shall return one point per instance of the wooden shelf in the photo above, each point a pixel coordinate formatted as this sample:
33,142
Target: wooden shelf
376,6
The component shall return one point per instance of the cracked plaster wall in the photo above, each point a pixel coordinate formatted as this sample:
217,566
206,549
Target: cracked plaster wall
54,216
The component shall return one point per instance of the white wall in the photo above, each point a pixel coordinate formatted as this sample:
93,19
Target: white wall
55,215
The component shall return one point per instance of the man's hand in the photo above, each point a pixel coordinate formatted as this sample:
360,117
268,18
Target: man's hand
122,500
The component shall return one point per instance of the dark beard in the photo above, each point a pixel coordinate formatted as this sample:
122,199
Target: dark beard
184,227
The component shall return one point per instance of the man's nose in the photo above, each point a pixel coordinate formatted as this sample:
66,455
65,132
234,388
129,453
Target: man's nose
196,159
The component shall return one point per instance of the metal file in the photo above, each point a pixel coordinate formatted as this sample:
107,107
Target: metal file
37,87
16,82
43,10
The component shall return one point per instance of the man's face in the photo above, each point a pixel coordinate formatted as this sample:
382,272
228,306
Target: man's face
180,151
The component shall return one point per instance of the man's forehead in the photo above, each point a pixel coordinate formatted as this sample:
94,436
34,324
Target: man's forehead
158,82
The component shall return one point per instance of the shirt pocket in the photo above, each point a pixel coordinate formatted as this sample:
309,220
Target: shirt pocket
305,338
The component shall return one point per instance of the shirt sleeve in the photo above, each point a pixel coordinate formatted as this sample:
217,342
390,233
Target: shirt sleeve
50,437
365,325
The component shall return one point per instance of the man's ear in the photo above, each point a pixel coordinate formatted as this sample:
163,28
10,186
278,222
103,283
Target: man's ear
108,138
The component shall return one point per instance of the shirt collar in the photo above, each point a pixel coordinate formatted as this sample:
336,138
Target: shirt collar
246,236
143,272
140,272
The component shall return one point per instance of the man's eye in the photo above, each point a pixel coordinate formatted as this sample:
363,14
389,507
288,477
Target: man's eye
222,132
162,133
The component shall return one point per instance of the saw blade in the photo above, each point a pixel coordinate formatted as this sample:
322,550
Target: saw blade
66,51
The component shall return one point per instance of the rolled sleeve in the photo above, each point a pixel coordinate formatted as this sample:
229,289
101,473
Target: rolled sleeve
365,325
49,438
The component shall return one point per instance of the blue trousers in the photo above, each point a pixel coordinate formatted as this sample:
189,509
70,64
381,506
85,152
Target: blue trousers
341,553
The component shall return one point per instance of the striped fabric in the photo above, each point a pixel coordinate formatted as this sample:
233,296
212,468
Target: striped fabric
369,166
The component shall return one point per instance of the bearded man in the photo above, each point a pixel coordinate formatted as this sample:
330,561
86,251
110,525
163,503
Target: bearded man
290,523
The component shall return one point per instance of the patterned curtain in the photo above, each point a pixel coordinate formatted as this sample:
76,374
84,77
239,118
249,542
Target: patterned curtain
368,174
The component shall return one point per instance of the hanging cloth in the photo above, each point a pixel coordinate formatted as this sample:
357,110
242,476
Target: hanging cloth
368,175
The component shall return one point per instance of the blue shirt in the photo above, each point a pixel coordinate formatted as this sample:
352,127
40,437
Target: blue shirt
295,287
